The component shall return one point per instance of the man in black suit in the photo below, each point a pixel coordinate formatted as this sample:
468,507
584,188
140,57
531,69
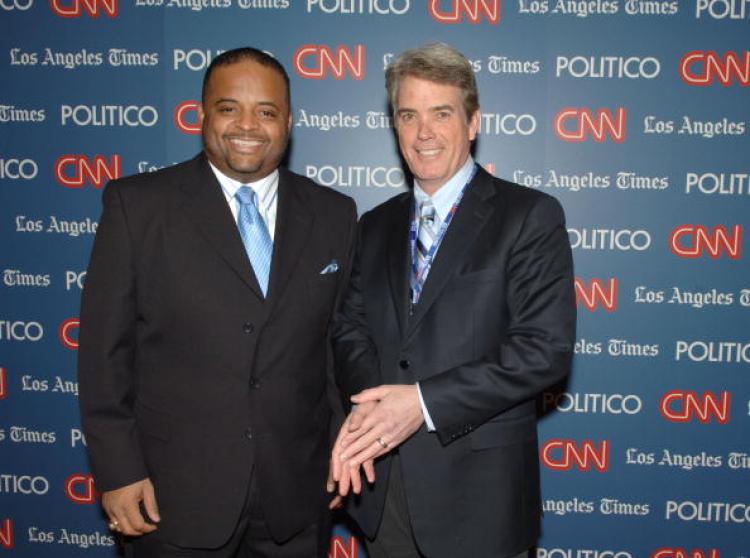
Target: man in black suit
204,367
460,311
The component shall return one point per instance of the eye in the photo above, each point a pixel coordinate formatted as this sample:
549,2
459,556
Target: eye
443,115
226,109
406,117
267,114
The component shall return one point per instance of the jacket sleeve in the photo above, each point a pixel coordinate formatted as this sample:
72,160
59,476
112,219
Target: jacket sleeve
106,354
357,363
537,349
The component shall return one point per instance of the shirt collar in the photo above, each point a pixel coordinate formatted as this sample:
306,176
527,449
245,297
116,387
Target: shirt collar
265,188
448,193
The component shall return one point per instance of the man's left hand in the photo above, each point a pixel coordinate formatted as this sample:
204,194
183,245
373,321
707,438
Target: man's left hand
396,416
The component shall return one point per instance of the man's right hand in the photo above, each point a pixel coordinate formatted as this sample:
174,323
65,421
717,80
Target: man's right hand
122,506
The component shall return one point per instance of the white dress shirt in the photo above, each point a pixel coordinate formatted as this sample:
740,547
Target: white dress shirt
267,190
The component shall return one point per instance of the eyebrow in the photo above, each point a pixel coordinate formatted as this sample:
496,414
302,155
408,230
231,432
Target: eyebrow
432,109
231,100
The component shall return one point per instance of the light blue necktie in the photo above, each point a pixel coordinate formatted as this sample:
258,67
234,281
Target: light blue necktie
255,237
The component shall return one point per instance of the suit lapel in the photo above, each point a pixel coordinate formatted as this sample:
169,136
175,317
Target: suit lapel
294,221
399,259
470,217
206,206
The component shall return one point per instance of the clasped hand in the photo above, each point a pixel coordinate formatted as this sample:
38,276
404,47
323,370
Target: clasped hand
381,420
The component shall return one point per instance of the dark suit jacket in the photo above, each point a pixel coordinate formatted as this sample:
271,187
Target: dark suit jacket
494,327
187,375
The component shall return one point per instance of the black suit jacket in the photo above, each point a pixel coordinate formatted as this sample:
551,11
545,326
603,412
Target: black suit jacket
187,374
494,327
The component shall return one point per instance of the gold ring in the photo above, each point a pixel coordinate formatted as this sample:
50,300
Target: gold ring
383,443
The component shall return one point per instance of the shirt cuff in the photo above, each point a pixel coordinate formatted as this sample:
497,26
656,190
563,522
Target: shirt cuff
425,412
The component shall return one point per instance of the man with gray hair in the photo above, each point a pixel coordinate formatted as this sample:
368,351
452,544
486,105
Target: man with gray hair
459,312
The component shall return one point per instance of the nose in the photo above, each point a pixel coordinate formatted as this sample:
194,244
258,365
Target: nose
247,120
424,131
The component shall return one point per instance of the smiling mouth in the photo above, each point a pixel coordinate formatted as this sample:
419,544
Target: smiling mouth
246,144
428,152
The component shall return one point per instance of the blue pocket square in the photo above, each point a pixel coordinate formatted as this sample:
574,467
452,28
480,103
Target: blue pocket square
332,267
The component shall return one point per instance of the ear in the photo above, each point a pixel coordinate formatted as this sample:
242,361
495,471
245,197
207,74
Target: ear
201,114
289,123
474,125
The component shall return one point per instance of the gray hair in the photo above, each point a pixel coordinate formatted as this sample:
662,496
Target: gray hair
436,62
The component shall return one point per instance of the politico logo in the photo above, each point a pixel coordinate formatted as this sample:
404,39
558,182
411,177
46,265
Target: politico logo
109,115
79,488
320,62
598,293
12,5
6,533
65,332
713,351
685,406
576,125
723,9
708,512
76,8
455,11
3,384
623,240
607,67
703,68
669,552
15,330
356,176
721,184
18,169
74,171
694,241
187,118
562,455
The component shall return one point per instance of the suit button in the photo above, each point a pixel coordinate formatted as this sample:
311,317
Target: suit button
247,327
404,364
255,384
249,434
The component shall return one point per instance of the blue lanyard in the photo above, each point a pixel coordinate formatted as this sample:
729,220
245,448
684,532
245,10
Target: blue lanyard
430,256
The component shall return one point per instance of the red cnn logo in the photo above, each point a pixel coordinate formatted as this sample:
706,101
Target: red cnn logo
6,534
597,294
319,61
701,68
3,384
694,241
683,553
76,8
186,117
684,406
473,10
340,548
73,171
562,455
80,489
575,124
66,333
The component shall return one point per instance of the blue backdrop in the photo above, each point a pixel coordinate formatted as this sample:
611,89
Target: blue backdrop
634,113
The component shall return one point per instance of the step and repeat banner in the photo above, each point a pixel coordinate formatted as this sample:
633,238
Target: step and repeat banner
633,113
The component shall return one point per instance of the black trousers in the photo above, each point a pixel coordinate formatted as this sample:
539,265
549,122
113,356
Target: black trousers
395,538
250,539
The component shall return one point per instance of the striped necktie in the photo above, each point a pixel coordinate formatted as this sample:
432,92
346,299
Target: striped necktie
255,237
426,234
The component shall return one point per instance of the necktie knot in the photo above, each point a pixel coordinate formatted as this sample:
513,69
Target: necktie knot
246,195
427,211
